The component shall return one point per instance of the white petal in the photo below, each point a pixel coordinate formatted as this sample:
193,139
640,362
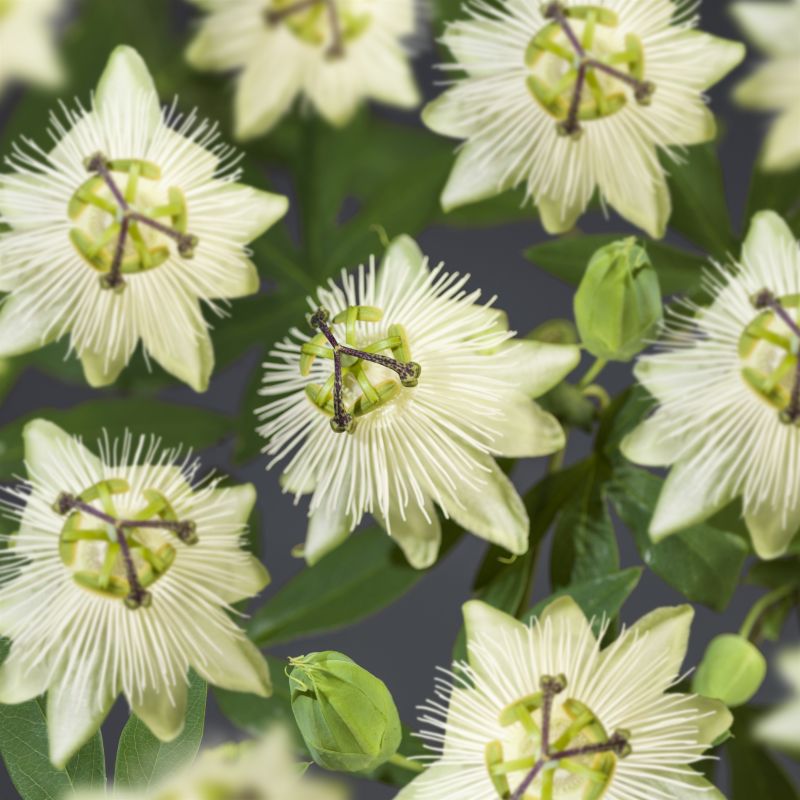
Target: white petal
22,328
256,211
19,681
527,431
782,149
537,367
328,526
559,214
720,56
651,443
475,176
446,116
101,369
235,664
711,717
772,25
403,264
780,728
682,788
494,512
646,201
487,627
768,234
424,786
164,716
772,531
53,455
690,495
418,536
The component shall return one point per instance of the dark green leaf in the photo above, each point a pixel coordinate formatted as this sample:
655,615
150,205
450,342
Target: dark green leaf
360,577
774,574
700,206
585,544
702,562
567,258
143,760
598,598
23,742
776,191
174,424
502,209
754,773
620,418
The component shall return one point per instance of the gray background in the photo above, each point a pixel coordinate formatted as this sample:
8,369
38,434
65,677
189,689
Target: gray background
405,643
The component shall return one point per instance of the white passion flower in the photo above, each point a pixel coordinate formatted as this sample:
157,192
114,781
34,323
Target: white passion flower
27,42
774,27
122,229
541,712
781,728
727,384
399,400
568,97
333,53
264,769
120,579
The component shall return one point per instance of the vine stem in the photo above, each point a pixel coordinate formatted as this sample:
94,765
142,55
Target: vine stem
406,763
596,368
750,626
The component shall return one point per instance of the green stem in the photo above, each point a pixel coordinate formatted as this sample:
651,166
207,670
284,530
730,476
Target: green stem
750,627
406,763
596,368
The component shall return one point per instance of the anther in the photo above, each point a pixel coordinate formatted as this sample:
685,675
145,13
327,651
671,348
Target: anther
186,531
138,598
763,299
319,318
553,10
643,92
410,378
96,163
64,503
571,128
620,743
553,685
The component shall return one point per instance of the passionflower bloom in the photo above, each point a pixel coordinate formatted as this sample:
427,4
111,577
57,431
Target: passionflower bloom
27,42
727,384
781,727
122,229
119,581
399,399
774,27
333,53
264,769
568,97
541,711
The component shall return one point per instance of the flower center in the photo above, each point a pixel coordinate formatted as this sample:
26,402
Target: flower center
582,68
361,381
769,349
123,231
330,24
5,7
115,555
555,751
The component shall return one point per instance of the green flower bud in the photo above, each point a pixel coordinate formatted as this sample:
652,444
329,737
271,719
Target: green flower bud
347,716
732,670
618,303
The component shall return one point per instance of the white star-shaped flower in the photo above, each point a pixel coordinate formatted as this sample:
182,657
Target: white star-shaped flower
27,42
775,86
426,388
781,728
541,711
123,229
264,769
334,53
728,390
566,98
120,580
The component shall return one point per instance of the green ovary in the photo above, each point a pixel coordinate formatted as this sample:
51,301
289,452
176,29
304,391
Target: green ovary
91,549
97,217
769,353
553,64
313,22
572,725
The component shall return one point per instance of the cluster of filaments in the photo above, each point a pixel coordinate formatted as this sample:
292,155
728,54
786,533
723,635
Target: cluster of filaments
588,87
562,754
114,555
330,24
770,353
134,240
350,366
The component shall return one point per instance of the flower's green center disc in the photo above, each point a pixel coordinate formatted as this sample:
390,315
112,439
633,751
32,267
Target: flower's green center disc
217,790
97,217
5,7
322,23
553,64
572,726
92,551
367,387
769,349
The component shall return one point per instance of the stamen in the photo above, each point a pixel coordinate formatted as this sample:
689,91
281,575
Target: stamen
336,49
550,688
185,530
128,217
408,372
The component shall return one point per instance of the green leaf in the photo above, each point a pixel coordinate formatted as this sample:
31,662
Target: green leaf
23,742
254,714
173,423
754,773
360,577
678,270
585,543
143,759
703,563
776,191
700,206
599,598
501,209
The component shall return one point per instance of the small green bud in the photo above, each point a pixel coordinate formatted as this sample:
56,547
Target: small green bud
347,716
618,303
732,670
